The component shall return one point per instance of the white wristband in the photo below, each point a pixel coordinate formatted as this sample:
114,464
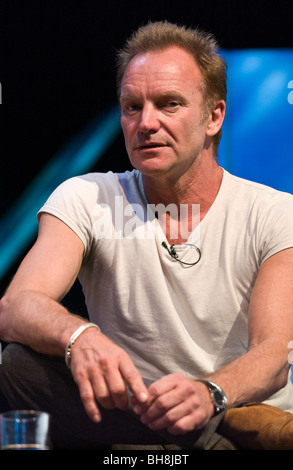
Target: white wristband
73,338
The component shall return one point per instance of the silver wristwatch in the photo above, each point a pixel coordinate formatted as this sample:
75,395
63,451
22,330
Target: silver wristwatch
218,397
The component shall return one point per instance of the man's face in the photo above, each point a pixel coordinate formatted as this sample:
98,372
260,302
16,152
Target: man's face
162,112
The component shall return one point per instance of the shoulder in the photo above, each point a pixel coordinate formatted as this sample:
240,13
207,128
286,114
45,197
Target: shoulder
78,200
255,193
89,182
89,187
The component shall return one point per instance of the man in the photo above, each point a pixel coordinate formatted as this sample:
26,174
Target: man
173,306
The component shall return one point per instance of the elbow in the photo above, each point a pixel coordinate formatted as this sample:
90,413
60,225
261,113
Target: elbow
284,375
282,378
4,317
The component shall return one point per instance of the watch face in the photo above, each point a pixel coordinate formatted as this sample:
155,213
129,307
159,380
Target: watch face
218,398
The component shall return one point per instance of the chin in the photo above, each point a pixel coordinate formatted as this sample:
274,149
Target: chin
150,166
150,170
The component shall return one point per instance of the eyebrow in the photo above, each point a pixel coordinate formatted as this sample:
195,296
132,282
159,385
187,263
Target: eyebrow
127,97
174,95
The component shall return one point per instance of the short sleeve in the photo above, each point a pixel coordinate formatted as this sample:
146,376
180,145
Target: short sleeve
74,203
276,225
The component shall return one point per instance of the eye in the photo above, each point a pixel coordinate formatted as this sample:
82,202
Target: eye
170,105
173,104
131,108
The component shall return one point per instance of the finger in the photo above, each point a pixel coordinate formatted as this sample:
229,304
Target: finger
91,381
156,389
162,386
110,388
178,420
118,390
138,407
190,422
101,391
163,410
163,395
134,380
89,402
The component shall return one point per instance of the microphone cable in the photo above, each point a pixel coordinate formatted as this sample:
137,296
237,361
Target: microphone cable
172,252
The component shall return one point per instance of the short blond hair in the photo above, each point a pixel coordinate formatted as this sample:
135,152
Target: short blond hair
202,46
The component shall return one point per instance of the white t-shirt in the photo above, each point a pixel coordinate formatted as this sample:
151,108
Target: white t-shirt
171,317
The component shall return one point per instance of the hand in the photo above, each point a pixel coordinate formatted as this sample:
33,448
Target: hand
102,371
177,404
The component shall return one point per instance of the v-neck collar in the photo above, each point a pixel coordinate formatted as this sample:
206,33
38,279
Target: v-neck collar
194,236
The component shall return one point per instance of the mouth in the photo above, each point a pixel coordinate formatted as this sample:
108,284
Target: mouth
151,145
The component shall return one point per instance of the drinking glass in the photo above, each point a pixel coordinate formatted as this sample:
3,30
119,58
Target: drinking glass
25,430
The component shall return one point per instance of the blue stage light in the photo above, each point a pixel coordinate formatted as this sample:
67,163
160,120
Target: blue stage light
19,225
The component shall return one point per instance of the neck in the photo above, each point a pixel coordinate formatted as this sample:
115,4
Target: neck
197,187
194,188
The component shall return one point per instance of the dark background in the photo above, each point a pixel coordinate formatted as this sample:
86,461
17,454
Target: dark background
57,69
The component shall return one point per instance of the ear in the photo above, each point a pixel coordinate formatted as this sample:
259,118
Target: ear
216,118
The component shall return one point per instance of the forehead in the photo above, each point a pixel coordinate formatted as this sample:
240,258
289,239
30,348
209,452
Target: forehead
171,67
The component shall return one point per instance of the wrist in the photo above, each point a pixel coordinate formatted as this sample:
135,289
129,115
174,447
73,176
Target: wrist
75,335
68,329
217,395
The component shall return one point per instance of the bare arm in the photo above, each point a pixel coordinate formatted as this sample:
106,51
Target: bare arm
180,404
264,369
30,313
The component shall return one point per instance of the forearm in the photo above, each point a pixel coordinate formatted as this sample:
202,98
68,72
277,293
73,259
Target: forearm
256,375
33,319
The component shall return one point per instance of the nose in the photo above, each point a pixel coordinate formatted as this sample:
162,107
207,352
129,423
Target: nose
149,120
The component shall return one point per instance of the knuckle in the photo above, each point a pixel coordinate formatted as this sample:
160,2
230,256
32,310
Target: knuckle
119,390
131,375
86,395
105,400
169,418
154,389
160,404
104,363
78,375
189,389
